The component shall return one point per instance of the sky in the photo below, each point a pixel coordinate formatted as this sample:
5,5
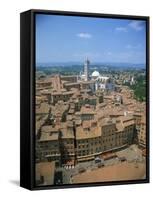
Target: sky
71,38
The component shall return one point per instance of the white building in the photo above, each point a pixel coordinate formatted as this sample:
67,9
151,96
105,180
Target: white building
95,75
86,69
102,82
85,75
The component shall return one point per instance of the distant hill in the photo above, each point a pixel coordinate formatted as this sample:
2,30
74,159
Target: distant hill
97,64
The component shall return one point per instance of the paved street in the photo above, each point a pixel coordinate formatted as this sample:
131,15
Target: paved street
132,154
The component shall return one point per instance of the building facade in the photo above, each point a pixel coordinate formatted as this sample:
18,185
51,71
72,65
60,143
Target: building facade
86,141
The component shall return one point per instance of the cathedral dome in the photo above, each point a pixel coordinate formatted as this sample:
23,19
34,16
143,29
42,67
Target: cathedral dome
95,74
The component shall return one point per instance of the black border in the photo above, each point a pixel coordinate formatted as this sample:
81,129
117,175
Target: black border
27,80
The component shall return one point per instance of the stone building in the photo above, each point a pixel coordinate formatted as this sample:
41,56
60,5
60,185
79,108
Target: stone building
142,133
82,142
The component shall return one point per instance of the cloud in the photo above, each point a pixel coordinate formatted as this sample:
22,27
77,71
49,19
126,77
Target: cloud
129,46
84,35
108,53
121,29
136,25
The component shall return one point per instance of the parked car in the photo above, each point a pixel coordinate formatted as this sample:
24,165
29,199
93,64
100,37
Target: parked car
99,160
81,170
101,165
122,159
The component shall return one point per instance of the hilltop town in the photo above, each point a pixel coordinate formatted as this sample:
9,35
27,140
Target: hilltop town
86,123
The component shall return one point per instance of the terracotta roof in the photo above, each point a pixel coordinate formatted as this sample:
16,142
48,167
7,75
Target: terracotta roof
43,109
49,133
82,133
67,133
